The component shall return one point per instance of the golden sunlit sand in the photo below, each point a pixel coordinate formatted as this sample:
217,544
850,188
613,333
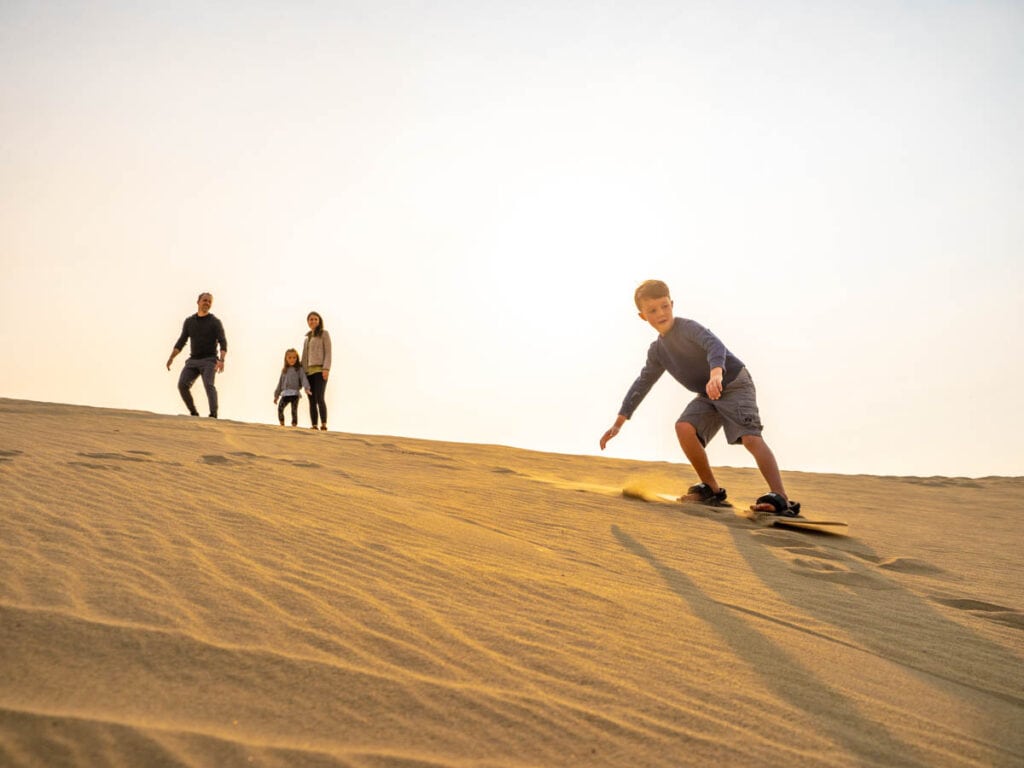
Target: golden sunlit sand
179,591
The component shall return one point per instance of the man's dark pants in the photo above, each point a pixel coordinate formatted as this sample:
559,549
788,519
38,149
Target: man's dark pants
194,368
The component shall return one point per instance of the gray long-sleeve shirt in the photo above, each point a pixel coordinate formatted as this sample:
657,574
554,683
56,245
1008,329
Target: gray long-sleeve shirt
688,351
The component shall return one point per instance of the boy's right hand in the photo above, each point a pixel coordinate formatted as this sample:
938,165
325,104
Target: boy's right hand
275,399
612,431
608,436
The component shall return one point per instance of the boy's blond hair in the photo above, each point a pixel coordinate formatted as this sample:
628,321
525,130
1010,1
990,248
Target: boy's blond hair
650,289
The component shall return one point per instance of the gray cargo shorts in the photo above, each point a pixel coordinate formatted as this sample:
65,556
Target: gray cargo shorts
736,410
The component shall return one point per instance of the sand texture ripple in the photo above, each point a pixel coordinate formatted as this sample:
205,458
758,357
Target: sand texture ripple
192,592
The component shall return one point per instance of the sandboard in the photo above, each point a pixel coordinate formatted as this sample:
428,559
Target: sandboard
631,492
768,519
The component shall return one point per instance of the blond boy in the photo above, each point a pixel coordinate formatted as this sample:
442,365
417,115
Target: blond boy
726,398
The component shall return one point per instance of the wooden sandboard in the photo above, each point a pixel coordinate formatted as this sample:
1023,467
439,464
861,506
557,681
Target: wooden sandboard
768,519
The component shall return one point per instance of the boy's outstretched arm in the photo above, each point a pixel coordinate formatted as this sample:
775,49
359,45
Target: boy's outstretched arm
613,430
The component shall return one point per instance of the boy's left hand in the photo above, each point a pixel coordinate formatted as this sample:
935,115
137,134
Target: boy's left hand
714,385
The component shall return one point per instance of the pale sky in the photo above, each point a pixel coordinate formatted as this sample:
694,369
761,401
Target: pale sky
469,193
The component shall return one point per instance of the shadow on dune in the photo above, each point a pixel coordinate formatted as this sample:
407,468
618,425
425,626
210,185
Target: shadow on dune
913,633
781,671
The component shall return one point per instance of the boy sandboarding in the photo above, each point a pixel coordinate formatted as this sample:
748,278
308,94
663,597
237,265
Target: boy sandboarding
699,361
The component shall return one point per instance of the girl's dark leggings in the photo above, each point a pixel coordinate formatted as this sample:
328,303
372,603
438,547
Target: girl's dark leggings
317,404
293,401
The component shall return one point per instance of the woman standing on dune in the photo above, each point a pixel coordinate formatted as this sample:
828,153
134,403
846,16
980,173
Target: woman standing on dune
316,361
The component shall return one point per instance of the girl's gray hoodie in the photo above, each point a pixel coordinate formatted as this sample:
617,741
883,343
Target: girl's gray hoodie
292,382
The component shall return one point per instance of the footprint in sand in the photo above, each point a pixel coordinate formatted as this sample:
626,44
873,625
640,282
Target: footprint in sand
112,456
107,457
115,459
8,455
90,465
997,613
235,456
817,562
796,545
214,458
294,462
911,565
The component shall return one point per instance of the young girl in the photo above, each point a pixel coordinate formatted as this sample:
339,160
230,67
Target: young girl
316,360
293,380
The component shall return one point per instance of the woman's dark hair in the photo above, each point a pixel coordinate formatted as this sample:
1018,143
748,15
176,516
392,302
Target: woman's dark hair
319,326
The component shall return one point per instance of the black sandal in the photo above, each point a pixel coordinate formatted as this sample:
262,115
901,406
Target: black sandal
783,508
702,494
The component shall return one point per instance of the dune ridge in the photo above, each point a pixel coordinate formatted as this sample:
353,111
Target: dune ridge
179,591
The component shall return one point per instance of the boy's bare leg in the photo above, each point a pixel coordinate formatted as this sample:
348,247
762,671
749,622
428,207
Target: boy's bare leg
696,454
765,462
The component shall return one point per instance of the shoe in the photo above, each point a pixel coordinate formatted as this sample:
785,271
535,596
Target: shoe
323,427
702,494
314,427
782,507
282,422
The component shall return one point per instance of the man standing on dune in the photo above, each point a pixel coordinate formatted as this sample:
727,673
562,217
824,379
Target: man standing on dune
206,334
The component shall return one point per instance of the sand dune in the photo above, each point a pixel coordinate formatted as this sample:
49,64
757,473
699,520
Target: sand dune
179,591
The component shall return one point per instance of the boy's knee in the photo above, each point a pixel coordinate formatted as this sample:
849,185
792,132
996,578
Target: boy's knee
687,434
752,442
685,428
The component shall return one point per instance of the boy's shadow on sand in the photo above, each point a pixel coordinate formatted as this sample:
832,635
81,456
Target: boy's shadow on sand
833,713
854,585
